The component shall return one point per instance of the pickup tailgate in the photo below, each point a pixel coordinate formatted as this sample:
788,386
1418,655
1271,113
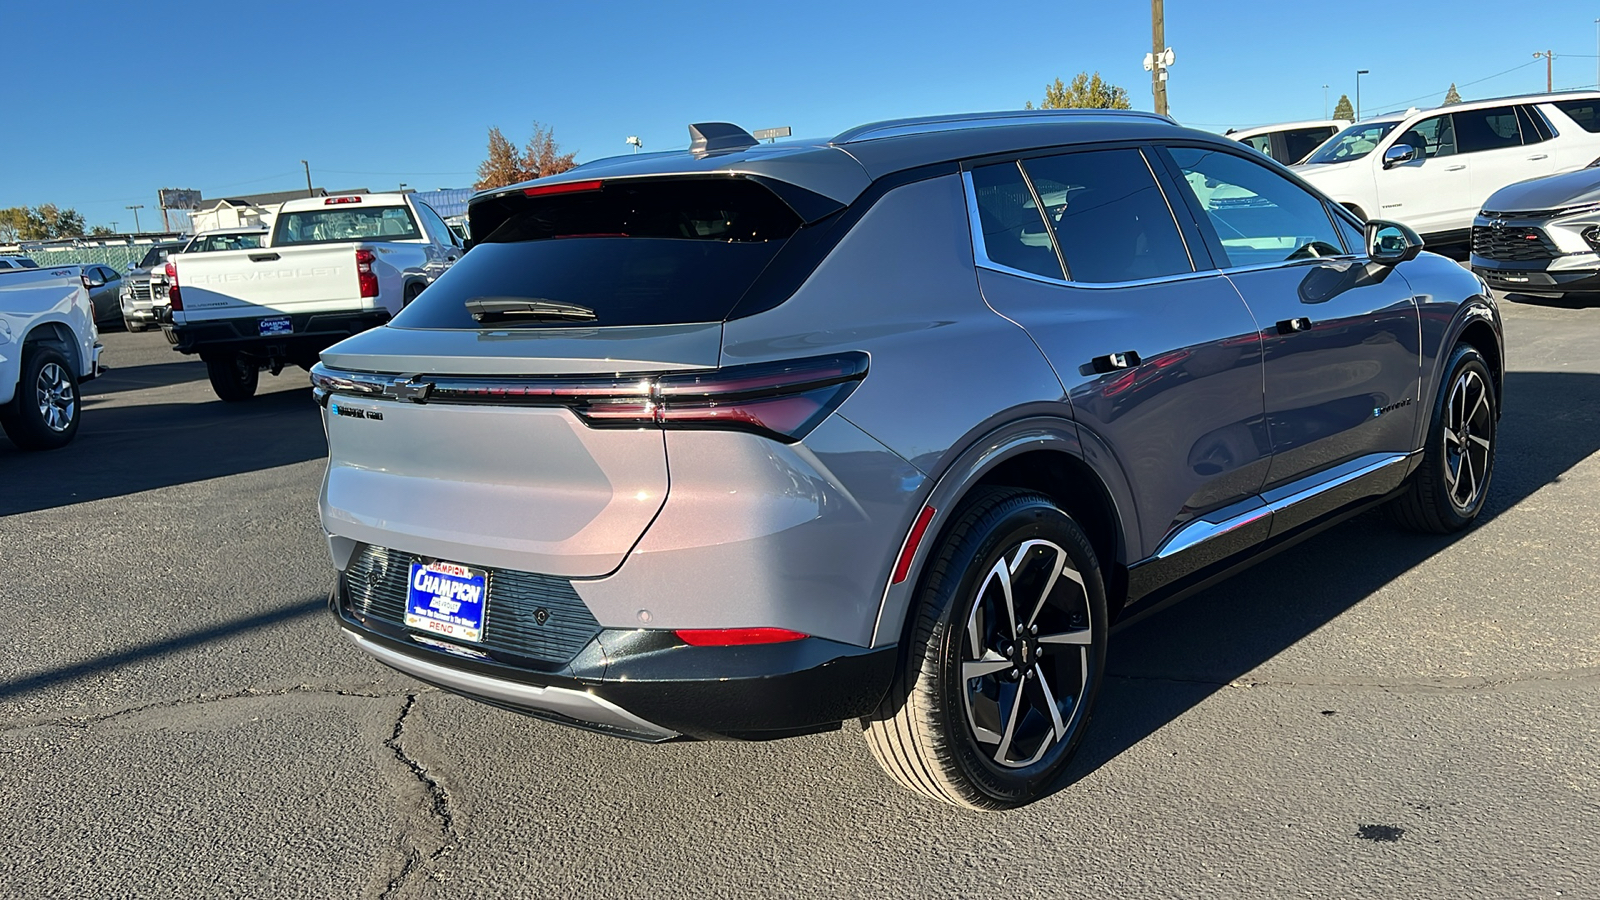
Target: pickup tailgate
240,283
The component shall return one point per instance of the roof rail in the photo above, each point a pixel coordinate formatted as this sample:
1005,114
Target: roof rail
926,124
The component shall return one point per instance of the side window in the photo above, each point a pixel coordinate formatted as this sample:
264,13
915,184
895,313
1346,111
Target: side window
1014,233
1431,137
1109,216
1259,216
440,231
1299,142
1262,142
1533,128
1487,129
1355,240
1586,113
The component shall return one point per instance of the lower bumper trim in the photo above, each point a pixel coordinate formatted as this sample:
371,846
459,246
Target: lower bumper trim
564,704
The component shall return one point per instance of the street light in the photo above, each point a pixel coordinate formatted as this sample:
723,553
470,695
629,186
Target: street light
1359,73
136,228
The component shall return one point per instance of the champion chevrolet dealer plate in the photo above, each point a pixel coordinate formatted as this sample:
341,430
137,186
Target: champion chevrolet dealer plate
447,599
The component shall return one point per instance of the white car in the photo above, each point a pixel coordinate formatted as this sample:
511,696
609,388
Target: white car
48,347
332,266
1432,169
1290,142
17,262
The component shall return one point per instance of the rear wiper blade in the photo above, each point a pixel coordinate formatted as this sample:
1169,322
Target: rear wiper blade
496,309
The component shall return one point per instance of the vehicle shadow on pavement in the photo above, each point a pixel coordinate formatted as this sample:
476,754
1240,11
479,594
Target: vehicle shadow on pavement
1161,666
1569,301
133,378
126,449
119,659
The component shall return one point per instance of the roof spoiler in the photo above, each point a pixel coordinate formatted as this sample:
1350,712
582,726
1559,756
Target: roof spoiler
714,137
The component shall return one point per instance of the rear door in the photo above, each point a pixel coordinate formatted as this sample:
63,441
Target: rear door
1162,362
1341,339
1491,140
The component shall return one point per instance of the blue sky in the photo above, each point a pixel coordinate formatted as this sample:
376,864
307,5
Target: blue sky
109,101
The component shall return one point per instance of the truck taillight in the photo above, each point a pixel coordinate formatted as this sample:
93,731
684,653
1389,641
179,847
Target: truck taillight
173,297
368,278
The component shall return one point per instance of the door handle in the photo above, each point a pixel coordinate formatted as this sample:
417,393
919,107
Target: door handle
263,257
1111,362
1294,326
1540,156
1454,168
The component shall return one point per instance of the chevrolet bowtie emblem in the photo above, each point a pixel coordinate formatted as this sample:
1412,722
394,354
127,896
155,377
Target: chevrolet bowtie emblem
413,389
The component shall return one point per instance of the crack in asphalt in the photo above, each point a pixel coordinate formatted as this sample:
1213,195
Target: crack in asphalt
1441,684
439,809
88,721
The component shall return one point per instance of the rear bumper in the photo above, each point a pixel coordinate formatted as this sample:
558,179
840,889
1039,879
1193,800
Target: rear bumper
312,333
648,685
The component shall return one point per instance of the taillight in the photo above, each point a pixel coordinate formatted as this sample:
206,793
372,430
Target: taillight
173,297
364,274
736,637
570,187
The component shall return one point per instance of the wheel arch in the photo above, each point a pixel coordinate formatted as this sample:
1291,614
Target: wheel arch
57,332
1038,454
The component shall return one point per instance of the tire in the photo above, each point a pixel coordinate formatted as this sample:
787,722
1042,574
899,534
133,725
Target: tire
44,413
132,326
1355,210
958,739
413,291
1447,491
233,377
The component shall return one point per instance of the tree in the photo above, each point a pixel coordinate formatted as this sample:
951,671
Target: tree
504,165
1085,92
100,231
543,155
1343,109
1452,95
40,223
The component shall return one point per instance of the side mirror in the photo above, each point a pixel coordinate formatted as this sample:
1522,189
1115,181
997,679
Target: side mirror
95,281
1398,154
1390,243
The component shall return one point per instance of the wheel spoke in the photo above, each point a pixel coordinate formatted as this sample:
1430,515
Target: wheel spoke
1059,727
1483,403
1451,438
1481,442
1055,572
1081,637
990,663
1011,726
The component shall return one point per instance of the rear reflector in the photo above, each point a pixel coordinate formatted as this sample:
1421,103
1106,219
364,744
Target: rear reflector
902,566
570,187
736,637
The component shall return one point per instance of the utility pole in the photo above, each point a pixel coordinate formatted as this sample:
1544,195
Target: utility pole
166,226
310,191
1324,101
1549,70
1158,46
1359,73
136,228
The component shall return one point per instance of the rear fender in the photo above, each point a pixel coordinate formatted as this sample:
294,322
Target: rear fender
982,457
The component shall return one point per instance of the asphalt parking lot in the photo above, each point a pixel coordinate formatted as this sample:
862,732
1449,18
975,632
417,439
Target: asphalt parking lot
1371,714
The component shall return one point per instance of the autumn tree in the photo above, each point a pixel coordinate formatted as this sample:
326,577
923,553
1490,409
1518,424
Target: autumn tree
40,223
1452,95
1343,109
1085,92
505,165
543,155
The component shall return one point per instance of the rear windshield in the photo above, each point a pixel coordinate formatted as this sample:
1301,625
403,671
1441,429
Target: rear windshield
347,222
625,253
210,242
1352,143
155,256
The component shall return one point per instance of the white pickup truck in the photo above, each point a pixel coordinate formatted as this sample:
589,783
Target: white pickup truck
48,347
332,267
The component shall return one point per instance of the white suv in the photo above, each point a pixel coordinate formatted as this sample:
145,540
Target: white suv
1432,169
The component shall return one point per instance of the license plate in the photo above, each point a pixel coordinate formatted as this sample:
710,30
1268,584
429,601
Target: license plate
276,325
447,599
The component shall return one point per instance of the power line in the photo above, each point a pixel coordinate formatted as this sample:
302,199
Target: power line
1408,102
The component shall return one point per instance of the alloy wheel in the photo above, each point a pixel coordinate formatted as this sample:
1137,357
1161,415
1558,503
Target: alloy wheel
1025,660
1468,432
57,399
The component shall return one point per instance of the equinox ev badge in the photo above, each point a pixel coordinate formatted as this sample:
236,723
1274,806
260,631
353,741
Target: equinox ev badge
1378,411
413,389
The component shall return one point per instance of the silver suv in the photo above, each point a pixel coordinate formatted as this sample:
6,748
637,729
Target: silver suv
751,440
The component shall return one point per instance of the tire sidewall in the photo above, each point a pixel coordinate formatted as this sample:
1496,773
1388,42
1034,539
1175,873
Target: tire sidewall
1012,522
